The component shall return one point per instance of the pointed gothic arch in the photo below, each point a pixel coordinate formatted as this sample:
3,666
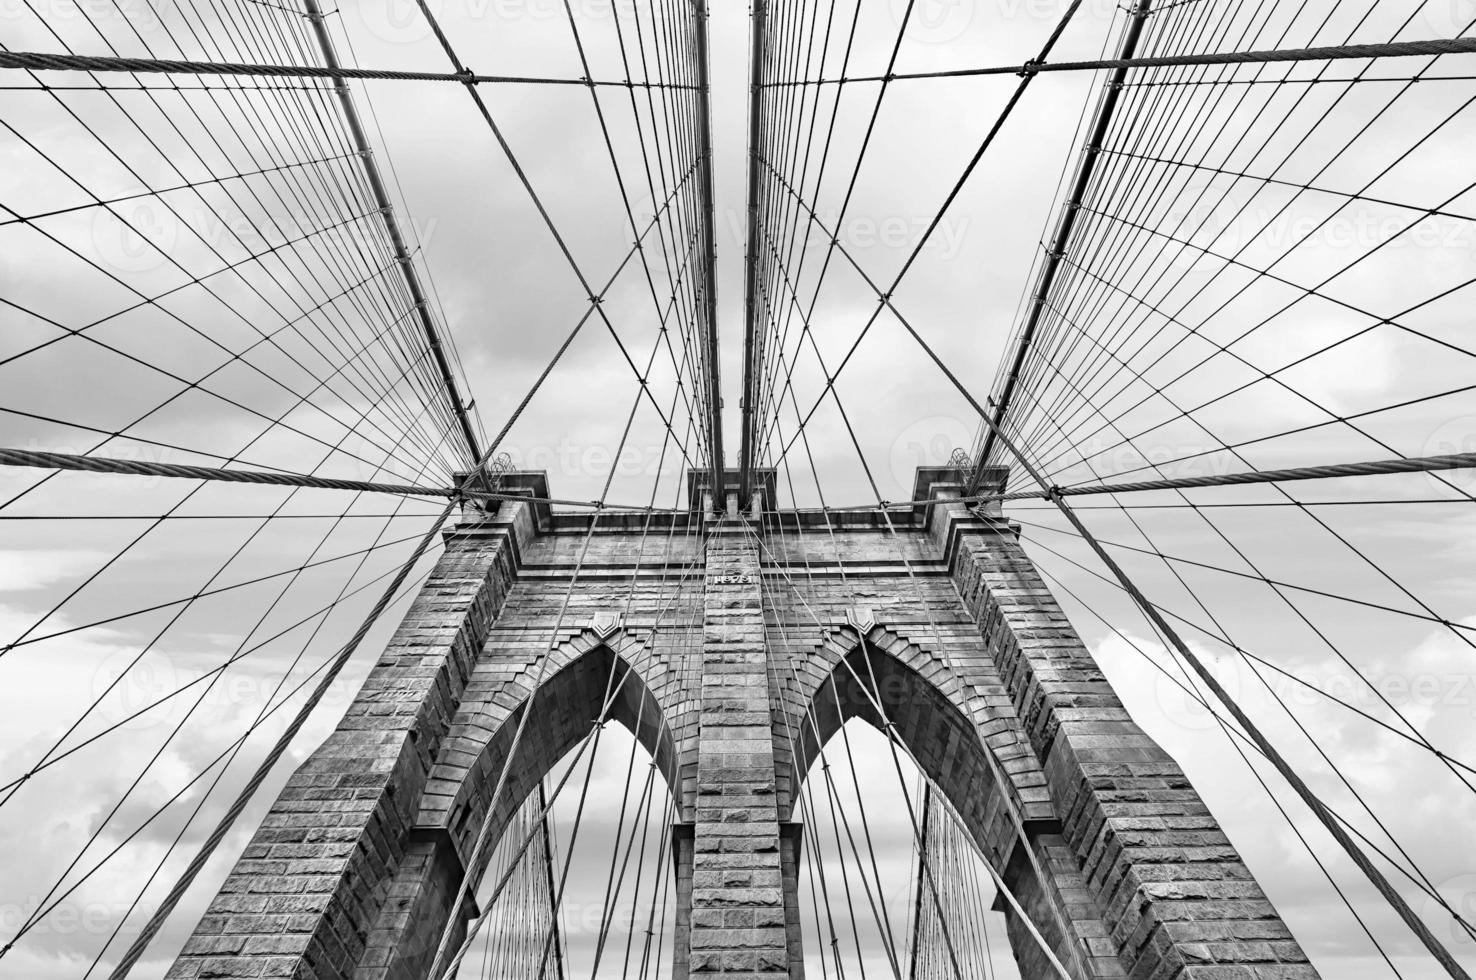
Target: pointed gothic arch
950,718
586,671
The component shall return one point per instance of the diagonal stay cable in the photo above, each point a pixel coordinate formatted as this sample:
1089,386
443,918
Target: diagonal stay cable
1414,880
33,458
340,659
162,699
397,238
1090,154
620,180
756,335
595,299
952,195
1376,877
205,770
1318,808
1235,737
100,825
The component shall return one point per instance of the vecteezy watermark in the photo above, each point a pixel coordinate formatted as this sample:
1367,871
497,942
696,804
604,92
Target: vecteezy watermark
1313,686
1102,457
68,917
135,235
1459,894
402,22
934,21
1201,225
130,453
133,688
1450,439
855,232
140,691
931,441
945,21
864,231
1186,701
1448,18
140,15
1451,690
927,442
141,232
395,21
569,458
1211,225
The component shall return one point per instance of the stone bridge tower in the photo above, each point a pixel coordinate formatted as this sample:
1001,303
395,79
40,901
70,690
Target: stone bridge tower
933,623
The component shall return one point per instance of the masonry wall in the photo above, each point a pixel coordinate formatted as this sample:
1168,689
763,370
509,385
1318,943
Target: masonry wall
735,649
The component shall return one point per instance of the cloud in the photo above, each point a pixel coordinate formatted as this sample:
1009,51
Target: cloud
509,298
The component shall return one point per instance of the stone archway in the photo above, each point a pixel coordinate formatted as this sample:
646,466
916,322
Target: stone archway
942,714
588,675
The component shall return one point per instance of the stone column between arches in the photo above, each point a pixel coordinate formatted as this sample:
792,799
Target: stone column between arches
737,868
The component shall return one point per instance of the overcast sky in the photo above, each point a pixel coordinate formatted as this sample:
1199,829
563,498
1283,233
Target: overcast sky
507,298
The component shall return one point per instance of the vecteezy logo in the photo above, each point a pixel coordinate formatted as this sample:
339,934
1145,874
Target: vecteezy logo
129,691
1448,18
135,235
396,21
1187,703
1201,220
1453,438
926,442
1459,894
934,21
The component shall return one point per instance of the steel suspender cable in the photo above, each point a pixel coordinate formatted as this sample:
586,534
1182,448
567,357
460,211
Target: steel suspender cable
708,292
753,340
392,225
1313,802
886,296
542,209
156,921
1067,222
1207,677
920,903
340,659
